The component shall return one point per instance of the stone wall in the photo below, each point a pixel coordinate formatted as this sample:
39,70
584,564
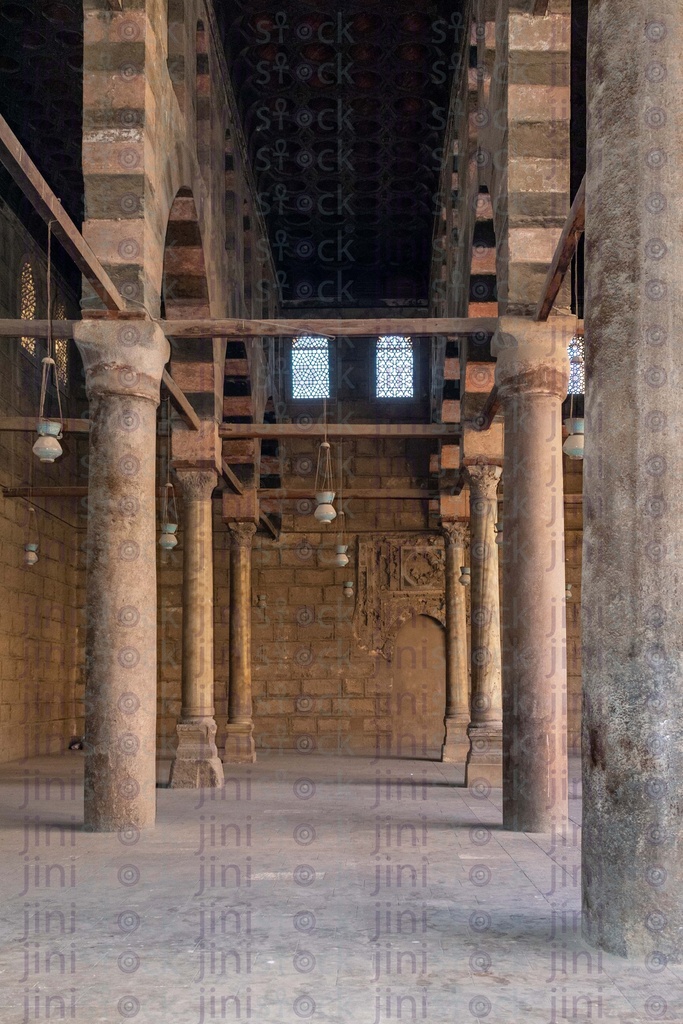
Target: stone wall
41,638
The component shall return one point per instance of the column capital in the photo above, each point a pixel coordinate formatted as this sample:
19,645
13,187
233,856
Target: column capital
484,481
532,356
197,482
242,533
454,531
122,357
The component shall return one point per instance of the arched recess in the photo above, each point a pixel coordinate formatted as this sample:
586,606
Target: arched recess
411,684
196,363
176,48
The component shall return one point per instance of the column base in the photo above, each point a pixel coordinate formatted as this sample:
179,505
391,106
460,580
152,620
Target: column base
485,757
196,764
456,745
239,744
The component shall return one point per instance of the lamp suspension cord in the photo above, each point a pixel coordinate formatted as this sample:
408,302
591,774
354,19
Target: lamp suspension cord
49,361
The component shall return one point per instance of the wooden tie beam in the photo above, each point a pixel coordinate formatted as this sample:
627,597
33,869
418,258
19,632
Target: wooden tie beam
263,431
252,330
564,252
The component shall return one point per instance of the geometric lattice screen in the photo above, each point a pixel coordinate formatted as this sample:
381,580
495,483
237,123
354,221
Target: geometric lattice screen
310,367
28,303
577,369
394,366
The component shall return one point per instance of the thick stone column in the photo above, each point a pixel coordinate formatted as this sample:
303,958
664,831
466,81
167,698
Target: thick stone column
196,762
123,366
532,373
239,742
632,583
484,760
456,744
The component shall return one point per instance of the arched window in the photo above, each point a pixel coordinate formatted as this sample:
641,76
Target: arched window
28,303
310,367
394,370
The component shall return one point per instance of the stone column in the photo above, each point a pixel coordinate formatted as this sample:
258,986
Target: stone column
632,583
123,366
532,373
456,744
239,742
484,760
196,762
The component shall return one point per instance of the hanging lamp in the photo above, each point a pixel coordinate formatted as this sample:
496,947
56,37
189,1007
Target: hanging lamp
498,530
465,575
348,588
324,487
169,508
31,545
47,447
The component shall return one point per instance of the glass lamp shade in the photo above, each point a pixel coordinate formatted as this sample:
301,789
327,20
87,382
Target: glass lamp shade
348,588
573,446
465,575
47,446
499,533
168,539
30,554
325,512
341,558
324,497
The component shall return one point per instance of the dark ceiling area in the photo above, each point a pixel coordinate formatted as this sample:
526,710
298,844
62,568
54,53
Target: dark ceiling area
41,86
344,107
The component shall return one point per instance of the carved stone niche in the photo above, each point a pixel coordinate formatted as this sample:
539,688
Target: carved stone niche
399,576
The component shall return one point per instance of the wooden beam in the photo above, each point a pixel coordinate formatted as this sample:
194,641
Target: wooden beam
45,202
19,423
249,330
564,252
44,492
317,430
364,493
269,525
230,478
180,402
414,326
485,418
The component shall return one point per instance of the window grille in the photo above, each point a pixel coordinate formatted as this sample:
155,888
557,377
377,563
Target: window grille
28,304
577,370
61,350
310,367
395,368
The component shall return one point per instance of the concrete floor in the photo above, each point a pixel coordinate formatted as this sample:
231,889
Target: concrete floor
287,897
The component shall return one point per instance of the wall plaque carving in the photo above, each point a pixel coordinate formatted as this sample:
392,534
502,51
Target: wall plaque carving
398,576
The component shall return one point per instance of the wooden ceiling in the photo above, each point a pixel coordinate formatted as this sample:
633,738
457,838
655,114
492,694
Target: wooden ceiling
345,106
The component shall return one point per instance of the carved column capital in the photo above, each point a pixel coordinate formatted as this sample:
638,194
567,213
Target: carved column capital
532,357
484,481
455,532
241,533
124,358
197,484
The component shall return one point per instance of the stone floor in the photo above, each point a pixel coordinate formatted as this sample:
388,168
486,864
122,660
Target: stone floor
313,888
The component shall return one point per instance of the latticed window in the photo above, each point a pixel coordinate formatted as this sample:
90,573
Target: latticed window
28,303
395,366
61,351
310,367
577,370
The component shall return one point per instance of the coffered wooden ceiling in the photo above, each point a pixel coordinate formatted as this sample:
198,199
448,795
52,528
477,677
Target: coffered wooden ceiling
345,106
